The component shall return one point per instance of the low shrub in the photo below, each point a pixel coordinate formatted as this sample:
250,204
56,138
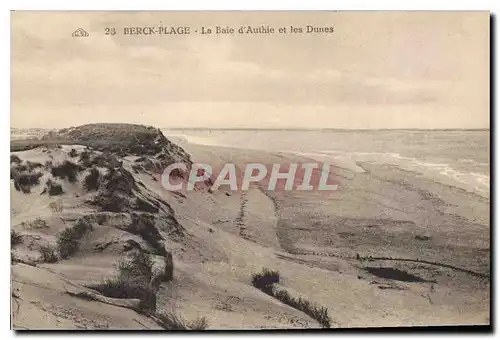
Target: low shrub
68,240
48,254
122,289
92,181
137,268
15,159
73,153
15,238
66,170
265,282
53,188
266,279
171,321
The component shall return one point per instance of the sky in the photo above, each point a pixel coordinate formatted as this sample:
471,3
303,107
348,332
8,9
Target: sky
376,70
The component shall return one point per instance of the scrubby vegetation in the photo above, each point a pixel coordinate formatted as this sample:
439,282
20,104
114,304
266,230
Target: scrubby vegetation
24,178
266,281
15,238
53,188
73,153
133,281
48,254
68,240
171,321
38,223
15,159
66,170
33,165
92,180
120,289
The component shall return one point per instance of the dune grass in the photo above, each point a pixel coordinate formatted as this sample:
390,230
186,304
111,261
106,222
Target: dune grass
266,280
68,240
92,181
15,238
172,321
67,170
48,254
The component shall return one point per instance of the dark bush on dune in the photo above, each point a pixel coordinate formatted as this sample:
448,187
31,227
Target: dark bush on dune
52,188
144,225
265,282
33,165
92,181
171,321
48,254
119,181
73,153
66,170
120,289
266,279
15,238
68,240
133,281
29,178
84,158
23,179
138,268
15,159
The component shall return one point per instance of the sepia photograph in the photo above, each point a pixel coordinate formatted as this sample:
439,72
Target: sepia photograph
250,170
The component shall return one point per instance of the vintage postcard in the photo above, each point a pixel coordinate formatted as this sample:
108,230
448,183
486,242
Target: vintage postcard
249,170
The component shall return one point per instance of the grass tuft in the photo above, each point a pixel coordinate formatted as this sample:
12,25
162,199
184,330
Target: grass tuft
121,289
172,321
48,254
15,238
92,181
15,159
66,170
265,282
68,240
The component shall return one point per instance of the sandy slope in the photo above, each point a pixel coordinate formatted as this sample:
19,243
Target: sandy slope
312,239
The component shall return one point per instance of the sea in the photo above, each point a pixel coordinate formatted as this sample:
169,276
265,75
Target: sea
459,158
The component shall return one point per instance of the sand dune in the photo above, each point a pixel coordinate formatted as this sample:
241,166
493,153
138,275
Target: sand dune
387,249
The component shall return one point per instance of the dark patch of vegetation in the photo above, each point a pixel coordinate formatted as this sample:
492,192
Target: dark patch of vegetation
133,281
171,321
138,268
33,165
119,181
265,282
137,168
53,188
316,312
84,158
23,178
38,223
142,205
144,226
73,153
15,159
66,170
266,279
119,289
68,240
106,160
92,181
48,254
15,238
106,201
